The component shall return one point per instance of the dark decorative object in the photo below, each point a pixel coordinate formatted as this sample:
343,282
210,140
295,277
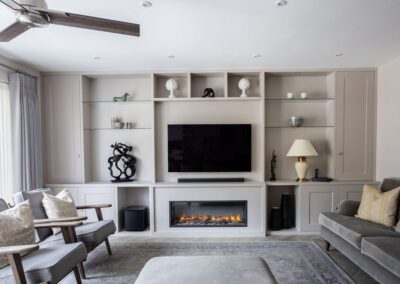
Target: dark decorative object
287,211
136,218
122,163
208,93
275,222
320,179
273,166
121,98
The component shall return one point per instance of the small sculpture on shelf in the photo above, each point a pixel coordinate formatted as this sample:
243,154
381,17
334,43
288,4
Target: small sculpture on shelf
208,93
121,164
121,98
171,85
273,166
243,85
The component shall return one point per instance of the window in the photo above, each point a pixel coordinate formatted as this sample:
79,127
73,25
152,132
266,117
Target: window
6,177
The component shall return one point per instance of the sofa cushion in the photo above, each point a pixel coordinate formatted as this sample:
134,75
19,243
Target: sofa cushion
384,250
352,229
35,199
389,184
50,264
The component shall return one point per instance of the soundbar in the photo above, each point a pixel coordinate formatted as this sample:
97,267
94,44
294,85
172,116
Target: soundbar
186,180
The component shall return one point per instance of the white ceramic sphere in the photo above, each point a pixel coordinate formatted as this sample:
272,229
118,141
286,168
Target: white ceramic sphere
244,84
171,85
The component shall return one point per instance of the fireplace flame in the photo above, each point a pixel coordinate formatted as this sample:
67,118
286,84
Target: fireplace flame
197,219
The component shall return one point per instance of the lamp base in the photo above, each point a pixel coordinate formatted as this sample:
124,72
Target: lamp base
301,179
301,169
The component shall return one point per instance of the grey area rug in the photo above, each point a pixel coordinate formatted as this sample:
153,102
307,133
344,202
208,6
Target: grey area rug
290,262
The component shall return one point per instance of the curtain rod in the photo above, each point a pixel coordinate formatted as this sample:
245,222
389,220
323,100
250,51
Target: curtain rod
18,70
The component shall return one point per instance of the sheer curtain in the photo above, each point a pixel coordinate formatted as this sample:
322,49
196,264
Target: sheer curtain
6,166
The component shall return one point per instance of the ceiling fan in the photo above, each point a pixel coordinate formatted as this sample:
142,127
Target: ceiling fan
34,14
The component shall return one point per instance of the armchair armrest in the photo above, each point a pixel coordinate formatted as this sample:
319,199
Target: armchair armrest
348,207
56,220
93,206
18,249
65,224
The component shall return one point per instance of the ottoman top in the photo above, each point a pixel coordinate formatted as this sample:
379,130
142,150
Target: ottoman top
205,270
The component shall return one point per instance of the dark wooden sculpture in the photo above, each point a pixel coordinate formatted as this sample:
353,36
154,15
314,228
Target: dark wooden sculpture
121,164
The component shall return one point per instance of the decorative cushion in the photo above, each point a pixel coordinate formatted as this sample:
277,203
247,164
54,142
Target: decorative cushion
16,228
379,207
60,206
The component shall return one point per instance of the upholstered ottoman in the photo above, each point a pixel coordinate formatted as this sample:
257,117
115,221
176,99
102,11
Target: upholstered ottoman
206,270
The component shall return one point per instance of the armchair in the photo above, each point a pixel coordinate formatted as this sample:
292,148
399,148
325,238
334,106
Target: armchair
35,264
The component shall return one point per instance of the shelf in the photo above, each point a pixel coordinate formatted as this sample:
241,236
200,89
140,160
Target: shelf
119,103
117,129
300,100
310,126
207,99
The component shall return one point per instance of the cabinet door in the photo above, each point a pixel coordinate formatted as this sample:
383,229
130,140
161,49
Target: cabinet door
63,130
312,201
98,195
354,139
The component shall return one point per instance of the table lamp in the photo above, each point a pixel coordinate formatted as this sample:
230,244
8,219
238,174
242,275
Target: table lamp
301,148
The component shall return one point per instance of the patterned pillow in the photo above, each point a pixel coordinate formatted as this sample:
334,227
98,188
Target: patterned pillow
379,207
60,206
16,228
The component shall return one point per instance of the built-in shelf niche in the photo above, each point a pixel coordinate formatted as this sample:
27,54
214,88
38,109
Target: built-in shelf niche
201,81
161,92
98,109
255,83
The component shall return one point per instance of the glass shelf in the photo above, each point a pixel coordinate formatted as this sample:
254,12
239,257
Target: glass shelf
301,100
304,126
117,129
127,102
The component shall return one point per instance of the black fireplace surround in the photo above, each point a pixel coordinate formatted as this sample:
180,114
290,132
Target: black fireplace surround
183,214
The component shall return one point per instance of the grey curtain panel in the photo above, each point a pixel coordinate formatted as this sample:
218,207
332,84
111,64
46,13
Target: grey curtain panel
26,132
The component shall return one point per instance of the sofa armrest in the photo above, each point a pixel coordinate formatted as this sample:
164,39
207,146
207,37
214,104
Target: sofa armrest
348,207
18,249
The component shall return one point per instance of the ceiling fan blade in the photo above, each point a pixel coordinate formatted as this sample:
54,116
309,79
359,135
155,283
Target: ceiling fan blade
12,31
13,5
92,23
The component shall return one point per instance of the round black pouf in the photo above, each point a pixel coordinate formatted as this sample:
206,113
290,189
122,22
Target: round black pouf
275,223
287,211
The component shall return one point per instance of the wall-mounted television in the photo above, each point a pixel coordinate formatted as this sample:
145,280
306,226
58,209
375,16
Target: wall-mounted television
209,148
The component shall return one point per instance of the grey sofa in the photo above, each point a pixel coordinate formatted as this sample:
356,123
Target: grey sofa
373,247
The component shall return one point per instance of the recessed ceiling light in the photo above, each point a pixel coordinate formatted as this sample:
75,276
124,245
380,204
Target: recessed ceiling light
97,58
281,3
171,56
256,55
339,54
146,4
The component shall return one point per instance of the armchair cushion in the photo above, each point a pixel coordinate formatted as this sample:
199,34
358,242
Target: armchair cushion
94,233
49,264
353,229
35,199
384,250
16,228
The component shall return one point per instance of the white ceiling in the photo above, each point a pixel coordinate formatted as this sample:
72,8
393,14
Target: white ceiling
215,34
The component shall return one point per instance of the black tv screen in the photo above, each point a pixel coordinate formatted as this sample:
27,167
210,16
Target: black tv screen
209,148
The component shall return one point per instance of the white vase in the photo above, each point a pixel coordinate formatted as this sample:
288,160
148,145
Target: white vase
171,85
243,85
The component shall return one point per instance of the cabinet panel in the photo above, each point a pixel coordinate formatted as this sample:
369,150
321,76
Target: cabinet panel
63,134
312,201
93,196
354,141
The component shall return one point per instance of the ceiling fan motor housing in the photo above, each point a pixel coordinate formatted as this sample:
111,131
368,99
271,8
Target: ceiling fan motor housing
33,19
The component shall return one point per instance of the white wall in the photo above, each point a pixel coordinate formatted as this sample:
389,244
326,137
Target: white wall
388,121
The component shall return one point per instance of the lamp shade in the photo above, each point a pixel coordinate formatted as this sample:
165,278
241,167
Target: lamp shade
301,148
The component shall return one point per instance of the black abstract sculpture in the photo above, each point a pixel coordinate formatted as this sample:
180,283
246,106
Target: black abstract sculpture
273,167
208,93
121,164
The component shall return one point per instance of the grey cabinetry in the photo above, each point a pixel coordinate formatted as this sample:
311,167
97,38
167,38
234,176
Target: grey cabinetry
63,130
354,133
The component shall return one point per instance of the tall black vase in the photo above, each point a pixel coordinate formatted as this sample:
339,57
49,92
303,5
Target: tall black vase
275,221
287,211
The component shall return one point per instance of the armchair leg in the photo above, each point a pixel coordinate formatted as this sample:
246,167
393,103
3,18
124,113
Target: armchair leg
77,275
18,270
81,270
327,245
108,246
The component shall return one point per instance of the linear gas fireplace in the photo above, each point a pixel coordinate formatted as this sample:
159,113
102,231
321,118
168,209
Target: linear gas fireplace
208,213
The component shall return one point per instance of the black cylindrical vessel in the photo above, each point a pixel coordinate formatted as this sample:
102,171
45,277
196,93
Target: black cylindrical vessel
275,222
287,211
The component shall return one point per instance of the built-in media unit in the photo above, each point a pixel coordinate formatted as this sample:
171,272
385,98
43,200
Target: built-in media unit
209,148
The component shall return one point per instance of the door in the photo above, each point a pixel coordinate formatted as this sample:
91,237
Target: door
354,139
313,200
63,130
